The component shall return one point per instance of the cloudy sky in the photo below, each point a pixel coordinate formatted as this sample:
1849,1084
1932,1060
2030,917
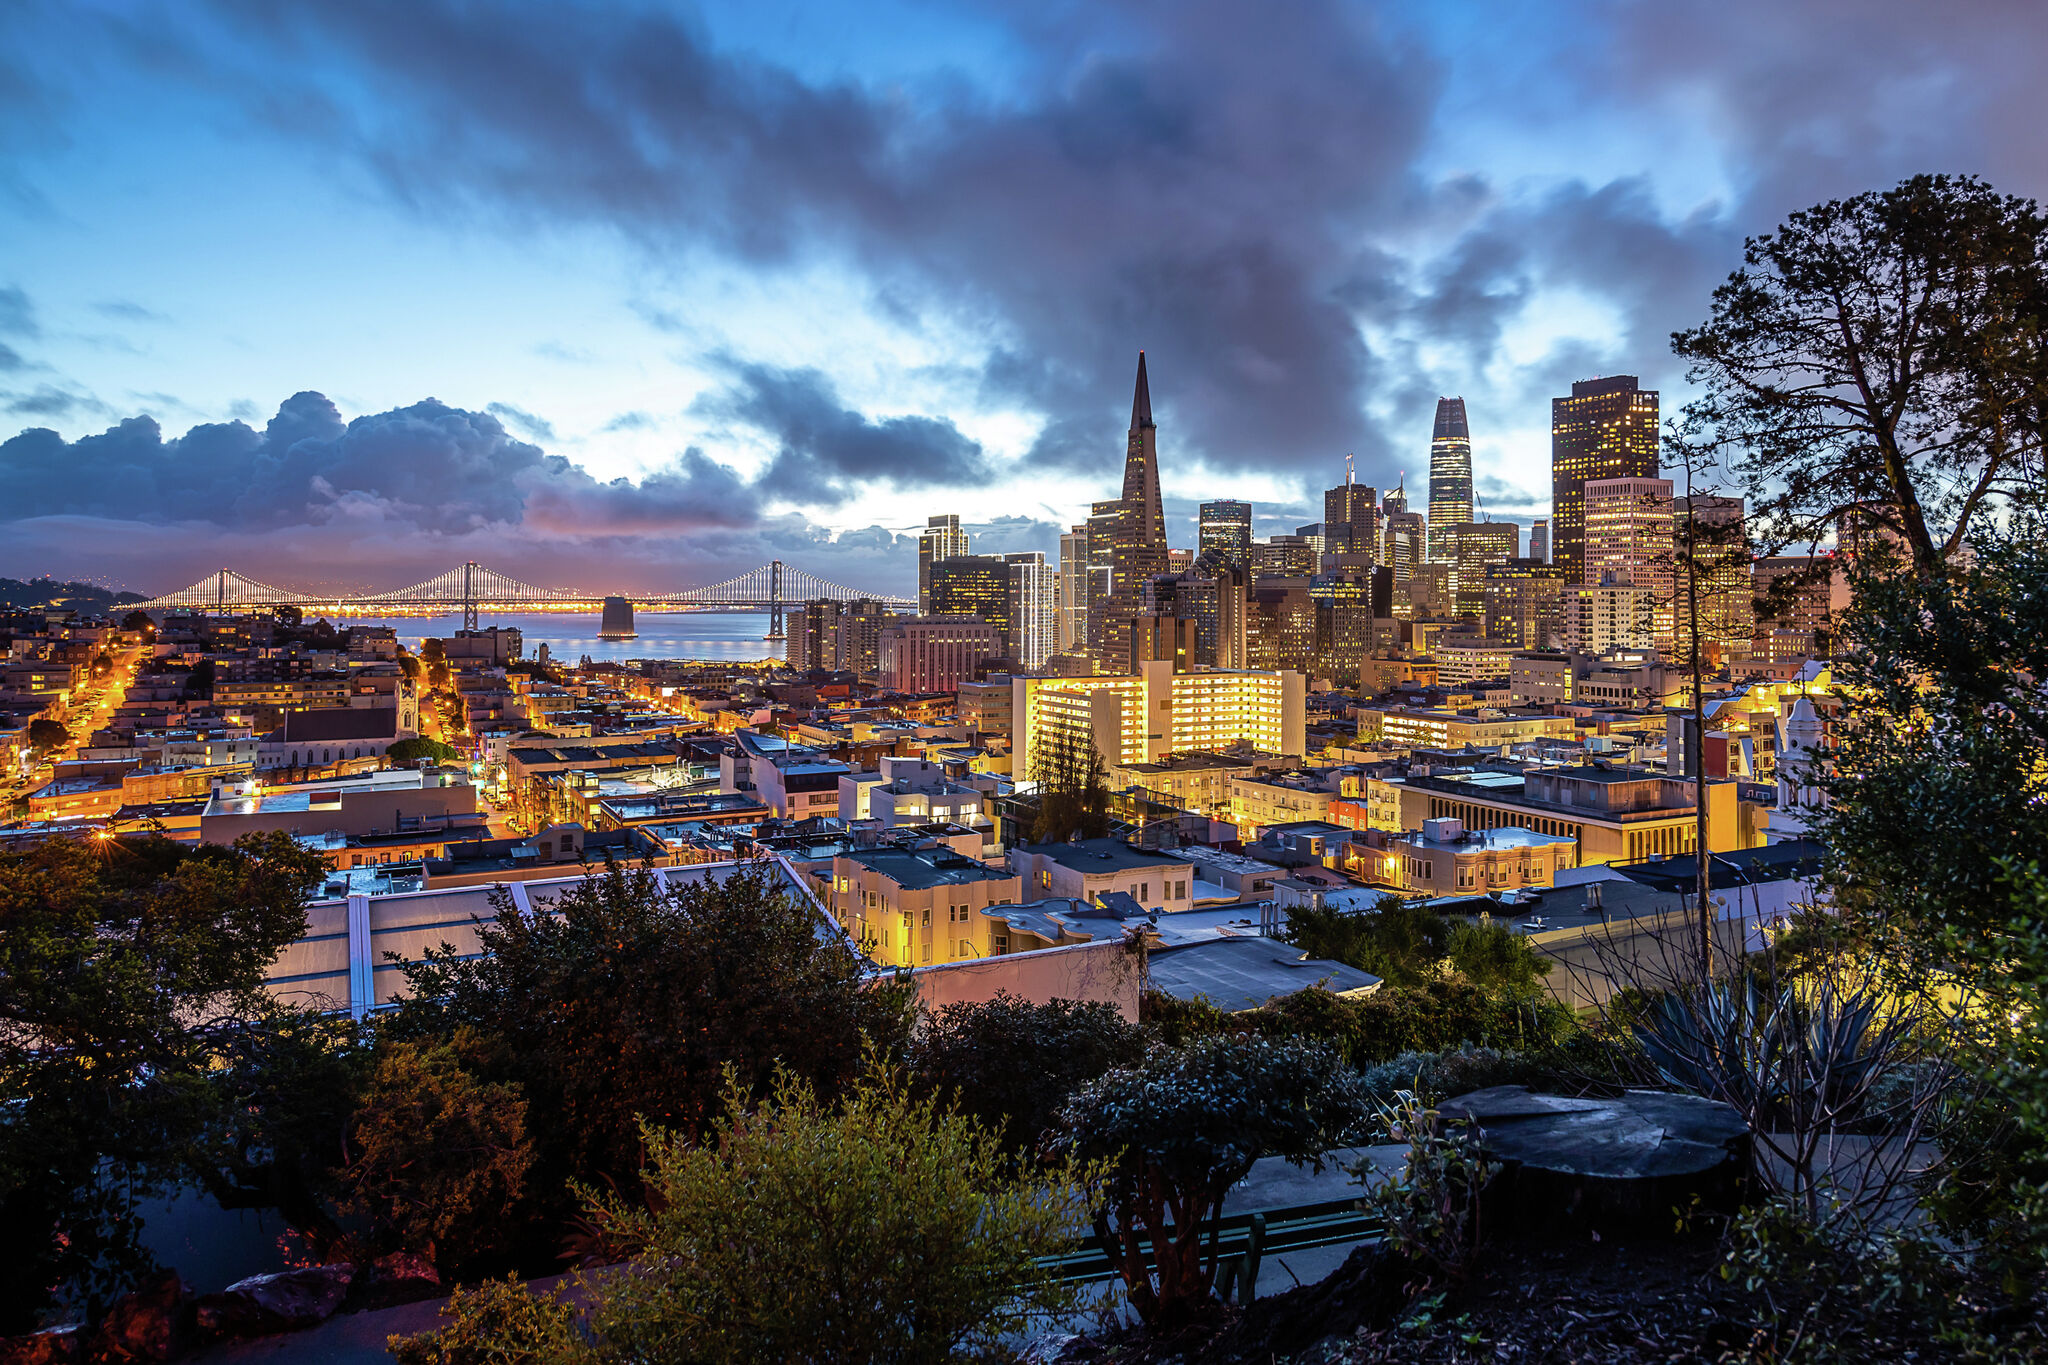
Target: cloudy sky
635,296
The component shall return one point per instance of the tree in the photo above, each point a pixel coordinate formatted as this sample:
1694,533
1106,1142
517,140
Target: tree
1399,941
407,752
102,664
1179,1130
1073,791
288,616
45,735
889,1229
138,621
199,682
437,1158
969,1055
1494,957
626,997
1881,357
123,966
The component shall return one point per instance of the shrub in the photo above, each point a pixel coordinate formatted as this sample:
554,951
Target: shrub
890,1230
626,999
1174,1021
1495,958
1446,1075
1431,1210
500,1322
1011,1064
1184,1127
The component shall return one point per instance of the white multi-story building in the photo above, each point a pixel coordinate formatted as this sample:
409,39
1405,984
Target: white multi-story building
1141,717
1034,609
1072,609
1628,539
1615,614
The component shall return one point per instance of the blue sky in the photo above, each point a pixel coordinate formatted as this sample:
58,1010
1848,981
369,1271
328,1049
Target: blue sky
694,286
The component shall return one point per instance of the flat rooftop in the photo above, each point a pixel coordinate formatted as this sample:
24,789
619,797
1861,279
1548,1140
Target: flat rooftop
923,868
1103,855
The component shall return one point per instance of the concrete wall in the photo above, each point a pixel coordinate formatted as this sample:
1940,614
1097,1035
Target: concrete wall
1108,972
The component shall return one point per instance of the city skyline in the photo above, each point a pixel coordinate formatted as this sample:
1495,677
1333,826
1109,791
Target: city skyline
637,360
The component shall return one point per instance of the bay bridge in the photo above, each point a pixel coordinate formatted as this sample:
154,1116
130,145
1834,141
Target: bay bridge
472,589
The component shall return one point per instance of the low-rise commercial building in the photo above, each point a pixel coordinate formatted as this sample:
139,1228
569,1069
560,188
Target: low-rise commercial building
1090,869
910,906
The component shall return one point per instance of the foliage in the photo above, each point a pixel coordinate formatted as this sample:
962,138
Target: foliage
1073,791
1370,1029
1011,1064
626,997
1182,1128
437,1158
1450,1073
887,1230
1431,1210
1837,1293
199,681
286,1080
138,621
498,1322
1400,941
406,752
125,968
1494,957
1799,1062
1881,353
45,734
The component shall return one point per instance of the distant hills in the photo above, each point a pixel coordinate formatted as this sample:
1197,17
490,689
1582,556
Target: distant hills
38,593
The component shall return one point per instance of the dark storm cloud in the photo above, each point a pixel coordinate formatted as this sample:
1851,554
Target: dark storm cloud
1197,190
824,450
432,469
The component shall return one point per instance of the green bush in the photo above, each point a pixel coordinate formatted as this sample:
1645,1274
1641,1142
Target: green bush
500,1322
888,1230
1449,1074
1184,1127
1431,1210
1011,1064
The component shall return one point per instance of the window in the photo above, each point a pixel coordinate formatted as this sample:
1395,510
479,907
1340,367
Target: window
927,952
1144,891
927,916
1180,890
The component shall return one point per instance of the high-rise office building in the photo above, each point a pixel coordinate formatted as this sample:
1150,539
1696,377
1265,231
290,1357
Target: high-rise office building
1073,601
1450,476
1406,546
1283,557
814,636
1351,522
1713,558
1397,500
1607,429
1627,539
1472,546
1525,603
942,539
1126,538
1226,527
973,585
1539,540
1034,608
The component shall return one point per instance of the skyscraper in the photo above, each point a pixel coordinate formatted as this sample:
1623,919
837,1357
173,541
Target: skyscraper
1351,520
1450,476
1607,429
1226,527
1034,617
1073,599
1539,540
973,585
1627,539
942,539
1396,501
1126,538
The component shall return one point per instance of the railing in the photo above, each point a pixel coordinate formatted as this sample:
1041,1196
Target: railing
1240,1242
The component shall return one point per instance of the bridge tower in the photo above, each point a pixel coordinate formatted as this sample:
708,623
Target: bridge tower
469,595
775,600
220,592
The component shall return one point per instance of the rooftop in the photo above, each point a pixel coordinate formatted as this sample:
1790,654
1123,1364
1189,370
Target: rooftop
1244,973
1102,855
923,868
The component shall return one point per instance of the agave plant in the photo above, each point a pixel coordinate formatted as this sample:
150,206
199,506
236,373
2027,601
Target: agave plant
1797,1062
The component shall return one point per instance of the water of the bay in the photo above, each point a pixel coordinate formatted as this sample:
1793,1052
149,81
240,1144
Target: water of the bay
663,635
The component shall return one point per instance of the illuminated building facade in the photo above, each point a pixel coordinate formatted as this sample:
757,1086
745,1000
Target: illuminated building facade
1628,537
1126,537
1607,429
942,539
1450,474
1226,528
1142,716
